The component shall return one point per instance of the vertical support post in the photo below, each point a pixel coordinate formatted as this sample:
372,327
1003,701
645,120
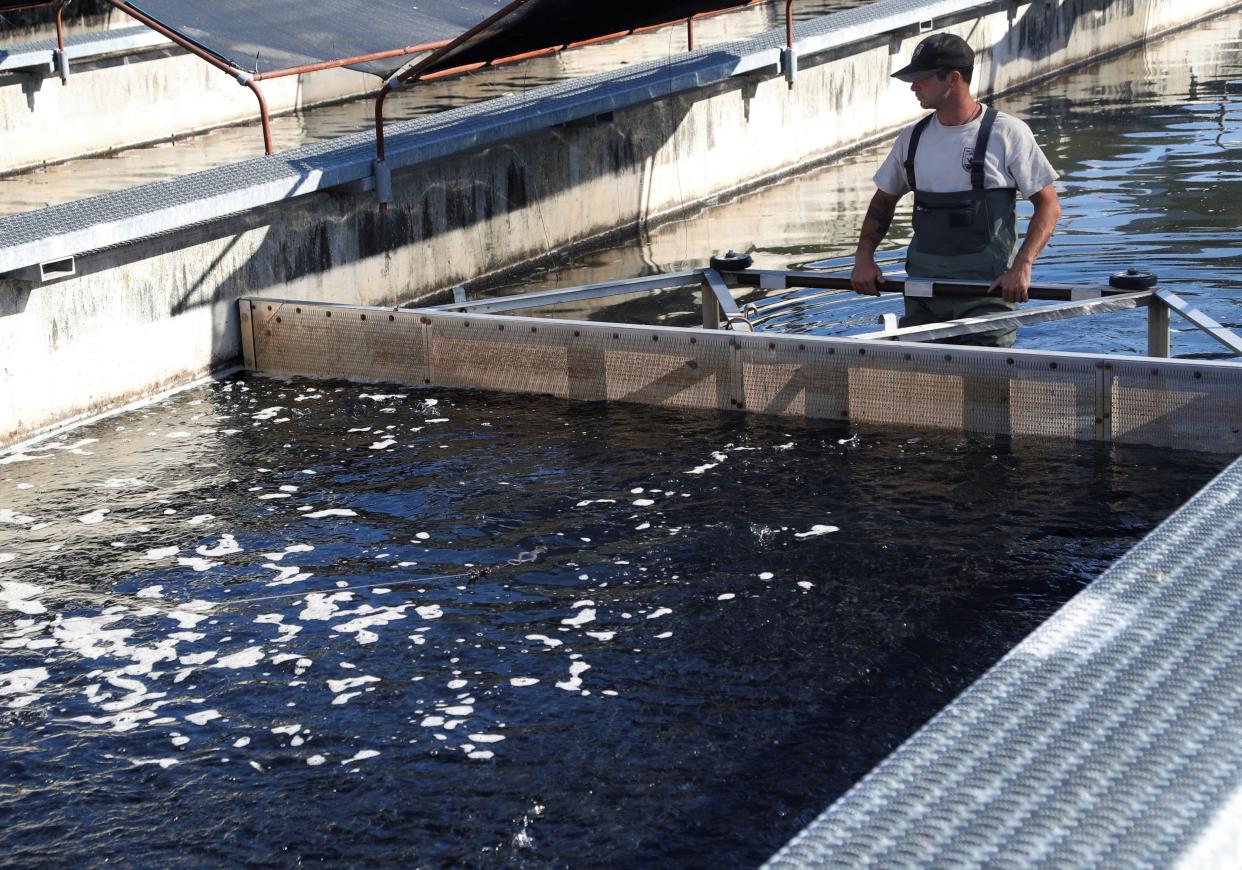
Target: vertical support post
1158,343
690,33
246,322
59,57
789,58
711,309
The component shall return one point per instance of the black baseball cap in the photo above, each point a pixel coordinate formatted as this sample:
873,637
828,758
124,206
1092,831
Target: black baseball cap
936,52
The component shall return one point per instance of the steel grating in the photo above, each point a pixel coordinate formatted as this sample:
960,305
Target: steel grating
124,216
1186,403
1112,736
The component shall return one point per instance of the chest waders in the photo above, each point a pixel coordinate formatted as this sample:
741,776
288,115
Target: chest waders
965,234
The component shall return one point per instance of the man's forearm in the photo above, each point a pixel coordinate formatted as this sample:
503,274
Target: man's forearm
1039,230
875,226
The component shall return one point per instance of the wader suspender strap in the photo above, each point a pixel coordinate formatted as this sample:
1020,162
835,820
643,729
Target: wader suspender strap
914,146
981,149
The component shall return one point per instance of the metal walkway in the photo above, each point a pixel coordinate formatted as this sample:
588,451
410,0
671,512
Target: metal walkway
1111,737
63,231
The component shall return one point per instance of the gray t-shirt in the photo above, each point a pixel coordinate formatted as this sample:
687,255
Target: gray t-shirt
942,162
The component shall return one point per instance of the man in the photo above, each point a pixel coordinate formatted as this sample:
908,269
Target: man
964,163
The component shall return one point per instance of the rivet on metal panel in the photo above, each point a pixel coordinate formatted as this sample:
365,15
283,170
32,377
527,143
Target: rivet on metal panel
426,321
278,320
948,357
391,318
831,351
269,308
268,333
1155,372
909,357
615,337
694,341
655,338
534,329
1052,365
692,363
771,345
1198,375
327,314
862,351
363,316
500,327
577,334
802,347
297,311
466,325
1009,361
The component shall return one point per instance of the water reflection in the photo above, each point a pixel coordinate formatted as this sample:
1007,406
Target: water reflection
1148,147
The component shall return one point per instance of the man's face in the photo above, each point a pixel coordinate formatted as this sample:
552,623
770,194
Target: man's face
932,91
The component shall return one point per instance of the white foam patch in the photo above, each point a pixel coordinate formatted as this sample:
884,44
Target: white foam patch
587,614
7,557
20,682
382,445
522,682
224,547
320,606
429,611
361,755
481,754
203,717
658,612
338,686
292,548
164,763
643,502
331,512
360,626
191,613
549,642
602,635
486,738
7,515
18,596
267,413
766,575
726,596
200,519
817,530
197,563
247,658
381,397
315,760
574,683
94,517
806,584
287,574
156,591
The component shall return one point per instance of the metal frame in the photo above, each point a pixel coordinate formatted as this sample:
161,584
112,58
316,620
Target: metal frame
721,311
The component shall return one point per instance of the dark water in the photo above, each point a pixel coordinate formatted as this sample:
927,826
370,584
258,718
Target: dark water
295,622
1149,147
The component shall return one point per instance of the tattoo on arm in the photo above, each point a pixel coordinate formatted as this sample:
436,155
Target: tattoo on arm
878,219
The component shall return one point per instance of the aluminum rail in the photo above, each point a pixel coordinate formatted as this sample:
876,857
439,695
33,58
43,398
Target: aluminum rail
85,46
1111,736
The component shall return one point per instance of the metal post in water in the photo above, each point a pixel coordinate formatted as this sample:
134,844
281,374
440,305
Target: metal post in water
1158,343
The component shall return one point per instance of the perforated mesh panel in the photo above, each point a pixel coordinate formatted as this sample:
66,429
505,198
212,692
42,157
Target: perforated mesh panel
1186,403
338,341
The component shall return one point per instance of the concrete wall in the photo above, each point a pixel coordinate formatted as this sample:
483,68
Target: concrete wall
162,310
140,97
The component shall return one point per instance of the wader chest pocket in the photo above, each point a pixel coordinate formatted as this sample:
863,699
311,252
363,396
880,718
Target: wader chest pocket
951,228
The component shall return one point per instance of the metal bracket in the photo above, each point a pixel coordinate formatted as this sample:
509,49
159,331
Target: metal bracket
597,120
459,294
789,64
920,287
60,63
43,273
383,181
926,26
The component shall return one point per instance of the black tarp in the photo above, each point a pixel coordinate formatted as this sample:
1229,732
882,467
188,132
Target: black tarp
280,34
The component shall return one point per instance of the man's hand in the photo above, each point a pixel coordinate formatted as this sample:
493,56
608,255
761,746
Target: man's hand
1014,282
866,276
